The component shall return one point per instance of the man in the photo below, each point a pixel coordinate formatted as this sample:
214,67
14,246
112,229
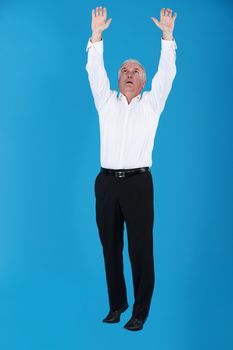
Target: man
124,185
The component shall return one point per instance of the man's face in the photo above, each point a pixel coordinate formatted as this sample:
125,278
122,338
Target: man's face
131,79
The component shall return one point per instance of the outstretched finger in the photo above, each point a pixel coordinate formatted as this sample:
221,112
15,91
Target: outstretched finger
108,23
93,13
174,16
155,21
162,11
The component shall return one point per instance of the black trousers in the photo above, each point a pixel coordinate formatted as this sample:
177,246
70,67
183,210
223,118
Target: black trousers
129,200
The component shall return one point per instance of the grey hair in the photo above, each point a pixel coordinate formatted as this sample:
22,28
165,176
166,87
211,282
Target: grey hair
136,61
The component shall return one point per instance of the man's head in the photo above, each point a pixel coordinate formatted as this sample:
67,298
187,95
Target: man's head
131,78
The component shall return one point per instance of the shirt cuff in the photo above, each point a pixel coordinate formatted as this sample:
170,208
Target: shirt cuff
98,45
167,44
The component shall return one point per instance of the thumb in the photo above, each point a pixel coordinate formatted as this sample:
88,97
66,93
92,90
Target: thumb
108,23
155,21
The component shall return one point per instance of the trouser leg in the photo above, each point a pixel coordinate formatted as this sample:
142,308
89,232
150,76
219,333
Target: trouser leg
110,224
137,206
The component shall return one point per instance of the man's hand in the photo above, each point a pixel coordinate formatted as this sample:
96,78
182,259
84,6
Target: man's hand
167,22
99,23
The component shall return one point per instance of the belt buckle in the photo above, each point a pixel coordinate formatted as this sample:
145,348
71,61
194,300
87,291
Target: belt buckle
120,173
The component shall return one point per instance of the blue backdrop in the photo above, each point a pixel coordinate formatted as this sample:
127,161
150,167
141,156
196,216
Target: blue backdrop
53,292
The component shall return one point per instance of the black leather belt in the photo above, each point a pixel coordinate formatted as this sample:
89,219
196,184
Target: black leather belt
124,172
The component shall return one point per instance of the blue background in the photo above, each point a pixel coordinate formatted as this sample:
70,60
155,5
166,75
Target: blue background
53,292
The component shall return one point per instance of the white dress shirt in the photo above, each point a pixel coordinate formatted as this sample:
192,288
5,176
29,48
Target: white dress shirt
127,131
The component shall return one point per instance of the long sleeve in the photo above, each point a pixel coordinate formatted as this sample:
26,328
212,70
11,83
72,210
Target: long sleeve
97,75
163,79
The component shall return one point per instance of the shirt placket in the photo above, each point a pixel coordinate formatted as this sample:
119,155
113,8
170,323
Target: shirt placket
122,151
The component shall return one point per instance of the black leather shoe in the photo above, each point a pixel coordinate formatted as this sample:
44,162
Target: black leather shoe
114,316
135,324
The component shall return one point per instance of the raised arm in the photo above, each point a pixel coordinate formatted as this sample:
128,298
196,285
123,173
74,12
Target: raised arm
163,79
97,75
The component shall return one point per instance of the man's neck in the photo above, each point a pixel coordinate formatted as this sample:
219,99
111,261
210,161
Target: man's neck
129,97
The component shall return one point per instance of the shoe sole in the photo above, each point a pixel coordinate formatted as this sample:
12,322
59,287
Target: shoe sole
133,329
117,320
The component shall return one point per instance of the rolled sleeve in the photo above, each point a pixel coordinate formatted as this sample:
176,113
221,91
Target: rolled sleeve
168,44
98,46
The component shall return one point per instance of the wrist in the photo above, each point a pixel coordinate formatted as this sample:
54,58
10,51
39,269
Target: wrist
96,36
167,35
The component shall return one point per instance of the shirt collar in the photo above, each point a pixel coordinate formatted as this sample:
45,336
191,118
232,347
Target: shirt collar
121,96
